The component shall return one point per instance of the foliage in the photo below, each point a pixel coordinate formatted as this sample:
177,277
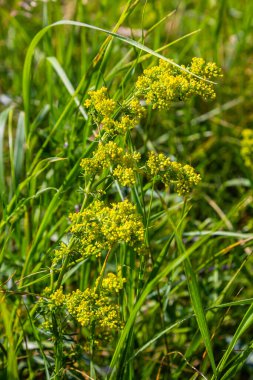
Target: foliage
126,190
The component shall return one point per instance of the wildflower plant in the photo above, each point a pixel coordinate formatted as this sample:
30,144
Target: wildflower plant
126,199
121,239
103,109
102,229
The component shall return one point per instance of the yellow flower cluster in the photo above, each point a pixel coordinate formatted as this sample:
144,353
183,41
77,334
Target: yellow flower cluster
170,172
111,155
110,283
61,252
161,85
94,306
247,146
100,102
102,109
101,227
57,298
89,307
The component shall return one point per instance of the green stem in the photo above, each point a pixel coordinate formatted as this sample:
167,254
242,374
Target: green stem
66,262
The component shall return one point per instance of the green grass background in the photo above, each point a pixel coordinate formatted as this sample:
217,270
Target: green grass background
44,135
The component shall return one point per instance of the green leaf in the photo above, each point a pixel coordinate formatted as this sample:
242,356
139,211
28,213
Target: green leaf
197,303
63,76
246,322
3,119
19,149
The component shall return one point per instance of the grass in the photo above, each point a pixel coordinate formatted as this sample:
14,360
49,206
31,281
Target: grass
186,307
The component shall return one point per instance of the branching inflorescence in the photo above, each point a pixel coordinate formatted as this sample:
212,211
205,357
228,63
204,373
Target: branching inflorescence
101,228
110,155
163,84
170,172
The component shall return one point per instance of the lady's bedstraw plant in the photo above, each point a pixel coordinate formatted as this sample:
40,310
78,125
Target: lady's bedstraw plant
114,232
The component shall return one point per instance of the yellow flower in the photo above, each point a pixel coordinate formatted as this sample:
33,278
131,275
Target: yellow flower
170,172
100,101
112,283
102,110
125,175
60,253
101,227
163,84
111,155
58,298
96,306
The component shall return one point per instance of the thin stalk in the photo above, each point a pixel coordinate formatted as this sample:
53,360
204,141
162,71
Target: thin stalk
71,243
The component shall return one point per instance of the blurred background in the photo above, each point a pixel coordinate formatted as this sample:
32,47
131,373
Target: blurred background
209,136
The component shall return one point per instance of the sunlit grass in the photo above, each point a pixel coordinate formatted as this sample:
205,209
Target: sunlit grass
186,305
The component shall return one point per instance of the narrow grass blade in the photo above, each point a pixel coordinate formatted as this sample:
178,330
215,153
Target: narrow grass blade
247,301
197,303
51,208
19,149
146,56
147,289
63,76
40,345
236,363
3,119
159,335
246,322
7,318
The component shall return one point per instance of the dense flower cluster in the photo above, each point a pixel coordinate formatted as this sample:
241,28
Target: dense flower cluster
57,298
93,306
102,108
170,172
110,283
61,252
110,155
100,102
101,227
89,307
247,146
163,84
